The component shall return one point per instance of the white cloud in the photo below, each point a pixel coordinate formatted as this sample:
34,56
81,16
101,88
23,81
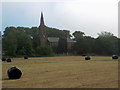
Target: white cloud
89,16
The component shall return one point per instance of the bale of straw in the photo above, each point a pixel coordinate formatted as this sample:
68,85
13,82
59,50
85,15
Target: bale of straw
114,57
25,57
87,58
9,60
14,73
3,59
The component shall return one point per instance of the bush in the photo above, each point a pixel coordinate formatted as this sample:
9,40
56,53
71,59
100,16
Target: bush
44,50
21,52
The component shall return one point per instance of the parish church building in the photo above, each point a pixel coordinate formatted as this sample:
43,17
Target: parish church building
52,41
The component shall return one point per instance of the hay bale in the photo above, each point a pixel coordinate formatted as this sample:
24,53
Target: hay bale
87,58
25,57
3,59
83,55
114,57
9,60
14,73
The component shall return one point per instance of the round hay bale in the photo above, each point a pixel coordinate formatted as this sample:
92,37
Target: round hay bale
83,55
25,57
14,73
87,58
3,59
9,60
114,57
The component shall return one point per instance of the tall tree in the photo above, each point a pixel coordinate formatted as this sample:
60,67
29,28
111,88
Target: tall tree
78,34
16,42
9,44
106,44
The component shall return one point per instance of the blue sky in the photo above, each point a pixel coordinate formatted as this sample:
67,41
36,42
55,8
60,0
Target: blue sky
89,16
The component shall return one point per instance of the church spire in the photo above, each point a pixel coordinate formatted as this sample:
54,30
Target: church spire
42,32
42,19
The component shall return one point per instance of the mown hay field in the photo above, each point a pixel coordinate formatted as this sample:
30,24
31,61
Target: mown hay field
63,72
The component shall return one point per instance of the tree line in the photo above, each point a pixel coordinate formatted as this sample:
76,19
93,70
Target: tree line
24,41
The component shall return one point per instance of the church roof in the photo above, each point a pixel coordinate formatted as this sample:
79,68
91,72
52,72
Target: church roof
53,39
70,40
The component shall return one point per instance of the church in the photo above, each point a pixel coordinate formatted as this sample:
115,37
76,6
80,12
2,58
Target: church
52,41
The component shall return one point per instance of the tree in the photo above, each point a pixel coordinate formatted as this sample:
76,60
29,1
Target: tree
90,42
78,34
106,44
44,51
80,47
53,32
24,43
119,46
62,46
16,42
84,44
24,40
9,44
105,34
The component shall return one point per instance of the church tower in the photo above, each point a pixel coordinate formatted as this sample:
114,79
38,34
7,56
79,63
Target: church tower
42,32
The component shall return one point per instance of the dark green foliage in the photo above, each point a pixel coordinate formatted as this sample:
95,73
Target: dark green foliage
25,41
84,44
80,47
78,34
118,46
44,51
52,32
106,44
16,43
62,46
9,43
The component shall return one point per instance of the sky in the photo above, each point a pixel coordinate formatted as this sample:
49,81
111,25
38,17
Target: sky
88,16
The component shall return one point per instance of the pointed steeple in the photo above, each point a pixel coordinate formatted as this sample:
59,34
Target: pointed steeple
42,32
42,19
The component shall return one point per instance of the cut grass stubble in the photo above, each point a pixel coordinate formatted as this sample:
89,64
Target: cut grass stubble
63,72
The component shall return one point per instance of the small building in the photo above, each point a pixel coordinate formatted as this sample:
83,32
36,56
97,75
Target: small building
53,41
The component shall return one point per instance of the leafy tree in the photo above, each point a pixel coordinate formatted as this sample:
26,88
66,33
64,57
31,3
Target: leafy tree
24,43
119,46
84,44
106,44
80,47
62,46
90,42
78,34
44,51
53,32
105,34
10,44
16,42
24,40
